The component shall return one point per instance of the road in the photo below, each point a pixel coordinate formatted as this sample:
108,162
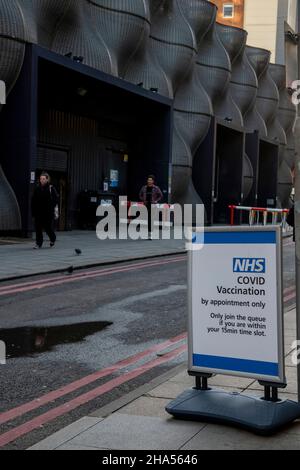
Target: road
79,341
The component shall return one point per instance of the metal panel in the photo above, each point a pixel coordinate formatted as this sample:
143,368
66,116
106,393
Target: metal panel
52,159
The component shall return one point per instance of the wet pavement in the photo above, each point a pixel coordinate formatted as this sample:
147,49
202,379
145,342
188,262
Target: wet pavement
26,341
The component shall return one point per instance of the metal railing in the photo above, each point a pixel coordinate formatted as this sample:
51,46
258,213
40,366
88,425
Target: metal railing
259,215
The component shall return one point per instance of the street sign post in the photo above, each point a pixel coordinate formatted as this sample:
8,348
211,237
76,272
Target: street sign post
236,327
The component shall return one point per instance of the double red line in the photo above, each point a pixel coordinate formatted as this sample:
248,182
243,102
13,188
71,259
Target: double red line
178,347
58,280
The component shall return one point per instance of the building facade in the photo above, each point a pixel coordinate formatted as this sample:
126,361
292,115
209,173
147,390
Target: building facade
230,12
272,25
114,90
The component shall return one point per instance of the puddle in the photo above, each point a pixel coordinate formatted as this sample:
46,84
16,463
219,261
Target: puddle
29,340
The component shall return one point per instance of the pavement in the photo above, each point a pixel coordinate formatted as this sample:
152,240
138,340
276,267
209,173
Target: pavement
18,259
139,421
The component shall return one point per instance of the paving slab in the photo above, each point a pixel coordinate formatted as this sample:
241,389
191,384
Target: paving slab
128,432
283,395
219,437
217,380
171,390
230,381
147,406
67,447
65,434
291,375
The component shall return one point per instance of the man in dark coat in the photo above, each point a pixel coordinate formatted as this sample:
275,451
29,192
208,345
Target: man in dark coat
43,204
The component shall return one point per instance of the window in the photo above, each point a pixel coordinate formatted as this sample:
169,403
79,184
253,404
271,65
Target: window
228,10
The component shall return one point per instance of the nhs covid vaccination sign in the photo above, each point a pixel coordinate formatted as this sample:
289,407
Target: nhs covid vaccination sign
235,303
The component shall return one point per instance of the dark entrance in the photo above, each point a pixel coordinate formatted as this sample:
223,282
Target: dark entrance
268,174
219,171
252,150
204,171
113,137
229,171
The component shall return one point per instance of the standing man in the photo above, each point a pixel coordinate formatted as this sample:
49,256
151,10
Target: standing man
43,206
150,194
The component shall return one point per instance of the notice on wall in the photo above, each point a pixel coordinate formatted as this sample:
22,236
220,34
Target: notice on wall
236,319
114,178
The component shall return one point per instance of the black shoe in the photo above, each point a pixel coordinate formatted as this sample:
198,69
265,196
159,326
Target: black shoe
52,244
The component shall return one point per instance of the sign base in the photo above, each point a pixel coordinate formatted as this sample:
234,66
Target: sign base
246,412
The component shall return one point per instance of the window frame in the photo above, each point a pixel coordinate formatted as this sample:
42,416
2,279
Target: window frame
231,5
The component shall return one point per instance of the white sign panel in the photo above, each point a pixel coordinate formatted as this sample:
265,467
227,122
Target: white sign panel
235,291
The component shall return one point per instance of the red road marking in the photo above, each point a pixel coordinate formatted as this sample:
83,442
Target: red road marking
82,273
24,287
289,289
289,297
44,418
51,396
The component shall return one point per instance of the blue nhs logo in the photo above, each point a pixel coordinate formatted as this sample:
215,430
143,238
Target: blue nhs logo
249,265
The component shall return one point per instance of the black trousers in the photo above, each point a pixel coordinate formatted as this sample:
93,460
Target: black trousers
47,226
148,205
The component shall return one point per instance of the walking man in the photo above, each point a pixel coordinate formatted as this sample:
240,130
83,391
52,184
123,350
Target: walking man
150,194
43,206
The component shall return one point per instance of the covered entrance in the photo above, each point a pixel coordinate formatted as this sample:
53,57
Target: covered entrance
87,129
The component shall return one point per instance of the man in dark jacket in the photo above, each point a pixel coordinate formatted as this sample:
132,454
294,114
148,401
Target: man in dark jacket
44,201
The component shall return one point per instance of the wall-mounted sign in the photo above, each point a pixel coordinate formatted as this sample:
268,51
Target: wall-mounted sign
114,178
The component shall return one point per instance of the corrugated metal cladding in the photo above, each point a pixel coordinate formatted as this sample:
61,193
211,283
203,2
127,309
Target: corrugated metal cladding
52,159
89,152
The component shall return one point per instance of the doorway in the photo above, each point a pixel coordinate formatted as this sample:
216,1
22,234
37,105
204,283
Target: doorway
54,161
